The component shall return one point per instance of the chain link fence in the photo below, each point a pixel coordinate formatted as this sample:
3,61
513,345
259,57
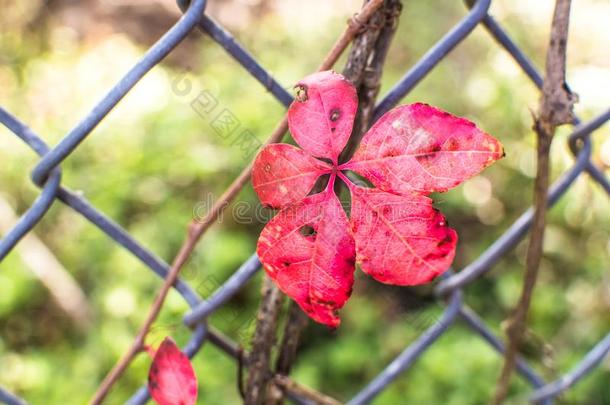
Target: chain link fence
47,175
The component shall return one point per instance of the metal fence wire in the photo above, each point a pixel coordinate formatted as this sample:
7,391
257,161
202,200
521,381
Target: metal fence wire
47,175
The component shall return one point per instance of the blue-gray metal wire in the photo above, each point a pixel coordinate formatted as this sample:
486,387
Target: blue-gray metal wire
47,175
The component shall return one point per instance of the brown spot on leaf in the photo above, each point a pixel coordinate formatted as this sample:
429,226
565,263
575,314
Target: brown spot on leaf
452,144
308,231
301,93
335,113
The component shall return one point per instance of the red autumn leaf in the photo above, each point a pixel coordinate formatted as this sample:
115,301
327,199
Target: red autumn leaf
400,240
171,378
396,235
322,116
308,251
287,175
419,148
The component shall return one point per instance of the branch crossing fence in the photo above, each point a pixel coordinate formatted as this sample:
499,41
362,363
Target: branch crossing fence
47,175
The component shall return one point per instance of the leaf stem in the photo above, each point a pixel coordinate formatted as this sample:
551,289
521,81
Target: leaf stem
331,182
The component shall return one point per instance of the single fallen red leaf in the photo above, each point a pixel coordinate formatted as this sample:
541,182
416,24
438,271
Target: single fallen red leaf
171,378
399,238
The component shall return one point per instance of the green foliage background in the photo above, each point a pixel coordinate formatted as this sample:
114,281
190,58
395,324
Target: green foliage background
154,162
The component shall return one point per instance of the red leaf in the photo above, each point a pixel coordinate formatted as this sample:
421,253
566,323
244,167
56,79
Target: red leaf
400,240
284,174
419,148
396,234
171,378
308,251
322,116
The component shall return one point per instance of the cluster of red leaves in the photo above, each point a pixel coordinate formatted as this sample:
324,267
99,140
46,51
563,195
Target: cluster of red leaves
310,247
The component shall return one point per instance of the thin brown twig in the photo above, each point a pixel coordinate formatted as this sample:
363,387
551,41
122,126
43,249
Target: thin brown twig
285,382
296,321
365,67
302,391
555,109
240,373
354,25
198,228
262,343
